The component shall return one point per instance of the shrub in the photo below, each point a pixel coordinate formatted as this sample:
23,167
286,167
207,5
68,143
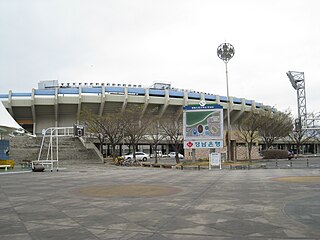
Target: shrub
274,154
118,160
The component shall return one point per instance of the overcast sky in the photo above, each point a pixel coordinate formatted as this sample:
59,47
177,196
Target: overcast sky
172,41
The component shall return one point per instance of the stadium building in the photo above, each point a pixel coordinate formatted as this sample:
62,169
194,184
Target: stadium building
59,105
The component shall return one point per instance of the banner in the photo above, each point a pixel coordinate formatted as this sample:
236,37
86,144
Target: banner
203,144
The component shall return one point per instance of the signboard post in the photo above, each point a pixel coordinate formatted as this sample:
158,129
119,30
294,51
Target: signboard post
203,127
215,160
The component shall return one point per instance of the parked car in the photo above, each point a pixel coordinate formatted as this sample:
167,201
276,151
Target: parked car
140,156
173,155
159,154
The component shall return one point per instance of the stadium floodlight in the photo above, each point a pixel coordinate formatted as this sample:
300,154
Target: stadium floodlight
304,121
225,52
296,79
292,80
298,83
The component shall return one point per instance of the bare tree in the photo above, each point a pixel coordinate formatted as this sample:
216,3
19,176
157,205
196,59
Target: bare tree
274,125
155,136
93,126
302,136
113,129
108,128
172,129
135,126
248,126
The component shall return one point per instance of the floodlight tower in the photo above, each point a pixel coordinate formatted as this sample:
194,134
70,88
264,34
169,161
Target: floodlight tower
297,82
225,52
303,121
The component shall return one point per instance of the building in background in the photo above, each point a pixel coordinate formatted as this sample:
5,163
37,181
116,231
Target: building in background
55,104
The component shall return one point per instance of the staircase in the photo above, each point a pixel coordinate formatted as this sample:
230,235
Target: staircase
24,148
71,150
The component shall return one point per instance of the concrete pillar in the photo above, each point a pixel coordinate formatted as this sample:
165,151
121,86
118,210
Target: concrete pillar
193,155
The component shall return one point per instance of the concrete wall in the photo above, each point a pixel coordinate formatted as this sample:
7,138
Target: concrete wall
241,153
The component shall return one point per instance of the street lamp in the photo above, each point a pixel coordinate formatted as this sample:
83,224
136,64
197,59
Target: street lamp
225,52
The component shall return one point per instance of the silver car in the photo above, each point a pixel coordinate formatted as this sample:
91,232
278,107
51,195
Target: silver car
173,155
140,156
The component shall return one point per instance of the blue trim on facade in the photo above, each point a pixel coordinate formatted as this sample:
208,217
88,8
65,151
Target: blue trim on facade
223,99
115,89
44,92
21,94
4,95
68,91
194,95
138,91
154,92
237,100
249,102
173,93
210,97
92,90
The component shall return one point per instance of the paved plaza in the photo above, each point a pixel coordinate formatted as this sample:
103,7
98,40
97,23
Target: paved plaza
107,202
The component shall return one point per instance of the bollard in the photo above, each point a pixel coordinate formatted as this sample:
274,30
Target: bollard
276,163
307,162
291,164
198,167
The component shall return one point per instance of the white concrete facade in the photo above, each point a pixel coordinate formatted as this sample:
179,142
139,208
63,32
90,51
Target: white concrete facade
61,106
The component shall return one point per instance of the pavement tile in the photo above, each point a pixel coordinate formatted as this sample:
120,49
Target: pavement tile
11,227
55,222
128,227
41,215
62,233
39,226
211,205
197,237
18,236
84,212
12,216
100,221
244,227
19,200
207,218
31,207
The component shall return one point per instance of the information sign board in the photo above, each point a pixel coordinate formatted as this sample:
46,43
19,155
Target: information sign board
215,160
203,122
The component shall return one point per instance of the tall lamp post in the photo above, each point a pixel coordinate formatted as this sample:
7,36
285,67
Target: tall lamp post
225,52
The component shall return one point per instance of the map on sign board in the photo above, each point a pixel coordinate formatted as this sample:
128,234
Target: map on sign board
203,124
